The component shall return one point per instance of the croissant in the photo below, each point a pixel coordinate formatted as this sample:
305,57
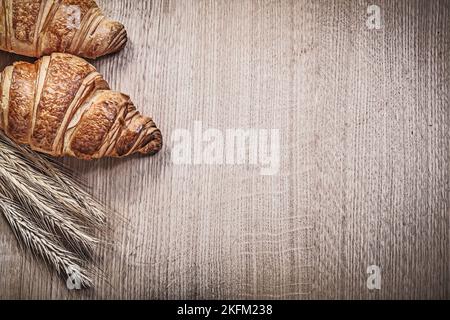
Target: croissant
62,106
40,27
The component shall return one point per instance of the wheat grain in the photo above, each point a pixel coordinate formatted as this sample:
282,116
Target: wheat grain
48,210
55,180
42,243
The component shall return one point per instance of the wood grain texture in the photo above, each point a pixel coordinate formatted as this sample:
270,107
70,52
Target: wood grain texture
365,154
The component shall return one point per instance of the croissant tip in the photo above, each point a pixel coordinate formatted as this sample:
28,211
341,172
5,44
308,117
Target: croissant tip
154,144
106,42
120,40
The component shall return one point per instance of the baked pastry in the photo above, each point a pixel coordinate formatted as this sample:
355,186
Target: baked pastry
62,106
36,28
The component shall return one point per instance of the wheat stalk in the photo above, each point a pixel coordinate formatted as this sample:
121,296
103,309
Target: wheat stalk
55,180
47,209
42,243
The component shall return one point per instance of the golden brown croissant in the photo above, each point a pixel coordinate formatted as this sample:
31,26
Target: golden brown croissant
40,27
61,106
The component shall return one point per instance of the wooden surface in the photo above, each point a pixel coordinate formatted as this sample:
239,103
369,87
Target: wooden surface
364,179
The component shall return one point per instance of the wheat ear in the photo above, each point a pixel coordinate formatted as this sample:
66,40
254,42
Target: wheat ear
43,244
48,210
53,179
45,211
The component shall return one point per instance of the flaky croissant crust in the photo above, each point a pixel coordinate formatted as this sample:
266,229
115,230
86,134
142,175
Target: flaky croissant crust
61,106
40,27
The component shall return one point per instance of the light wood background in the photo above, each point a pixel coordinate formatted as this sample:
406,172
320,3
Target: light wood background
364,179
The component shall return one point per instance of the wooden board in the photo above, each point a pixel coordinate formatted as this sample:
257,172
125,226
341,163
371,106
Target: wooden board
364,119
